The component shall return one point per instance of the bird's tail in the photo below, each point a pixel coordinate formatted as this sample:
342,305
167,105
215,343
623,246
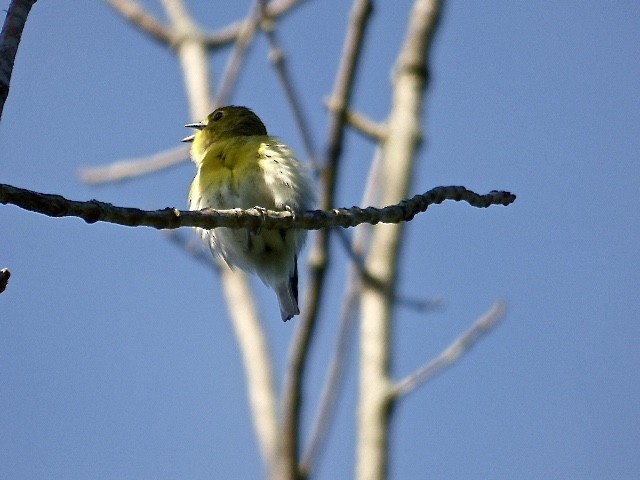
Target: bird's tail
287,293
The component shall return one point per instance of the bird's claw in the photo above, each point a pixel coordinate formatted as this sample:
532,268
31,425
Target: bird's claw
263,213
291,211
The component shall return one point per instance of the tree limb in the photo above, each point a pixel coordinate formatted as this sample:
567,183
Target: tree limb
335,372
169,218
230,33
375,130
278,59
319,256
236,60
127,169
452,353
9,40
145,21
192,53
377,305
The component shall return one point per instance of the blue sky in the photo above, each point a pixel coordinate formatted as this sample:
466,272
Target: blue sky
116,356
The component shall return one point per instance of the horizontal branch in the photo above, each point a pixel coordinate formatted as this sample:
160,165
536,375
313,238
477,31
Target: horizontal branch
254,218
127,169
230,33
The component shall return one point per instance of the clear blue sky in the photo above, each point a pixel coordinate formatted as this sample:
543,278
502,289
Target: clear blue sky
116,356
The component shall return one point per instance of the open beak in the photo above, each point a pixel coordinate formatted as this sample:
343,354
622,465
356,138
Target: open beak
197,126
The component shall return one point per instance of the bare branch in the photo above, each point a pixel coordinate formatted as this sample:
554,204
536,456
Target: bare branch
319,256
144,20
193,246
375,130
9,40
230,33
356,273
377,307
358,262
137,167
236,59
333,379
4,279
253,218
243,32
453,352
277,8
335,373
278,58
192,52
251,337
292,397
360,14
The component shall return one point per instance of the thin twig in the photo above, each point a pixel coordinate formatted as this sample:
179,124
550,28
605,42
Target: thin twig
144,20
137,167
12,28
193,247
236,59
230,33
358,262
375,130
278,58
333,380
453,352
133,12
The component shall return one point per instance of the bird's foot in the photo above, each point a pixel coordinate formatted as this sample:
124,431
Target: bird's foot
263,214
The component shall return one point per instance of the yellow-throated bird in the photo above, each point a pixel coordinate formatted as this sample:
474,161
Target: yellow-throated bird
241,166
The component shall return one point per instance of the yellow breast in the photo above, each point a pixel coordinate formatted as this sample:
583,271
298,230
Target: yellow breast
229,175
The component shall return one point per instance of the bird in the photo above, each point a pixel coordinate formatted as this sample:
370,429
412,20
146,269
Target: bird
239,165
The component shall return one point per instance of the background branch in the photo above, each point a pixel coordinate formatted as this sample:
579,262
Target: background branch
192,53
335,372
14,22
319,256
278,58
145,21
453,352
245,37
128,169
230,33
377,305
361,123
183,29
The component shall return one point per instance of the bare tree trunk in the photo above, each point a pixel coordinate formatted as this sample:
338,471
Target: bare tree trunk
399,152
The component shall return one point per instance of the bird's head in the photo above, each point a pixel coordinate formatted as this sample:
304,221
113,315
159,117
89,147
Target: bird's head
225,123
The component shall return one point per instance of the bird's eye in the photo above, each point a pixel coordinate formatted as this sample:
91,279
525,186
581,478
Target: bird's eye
217,116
